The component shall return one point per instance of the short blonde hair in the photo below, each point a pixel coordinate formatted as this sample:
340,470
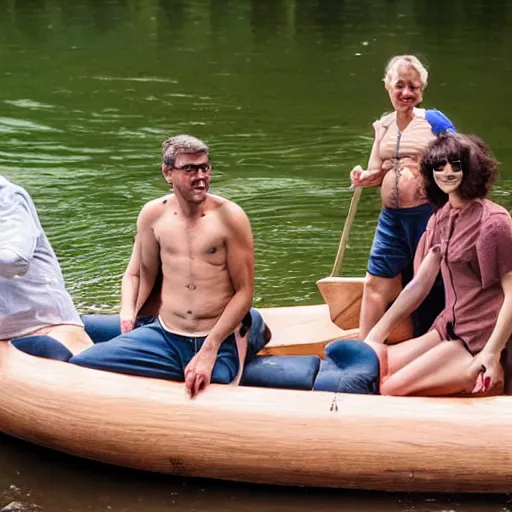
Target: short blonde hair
398,61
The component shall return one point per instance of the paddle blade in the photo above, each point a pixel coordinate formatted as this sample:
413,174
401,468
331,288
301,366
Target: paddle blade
343,297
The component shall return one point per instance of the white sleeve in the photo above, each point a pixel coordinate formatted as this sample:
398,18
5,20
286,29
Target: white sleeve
19,231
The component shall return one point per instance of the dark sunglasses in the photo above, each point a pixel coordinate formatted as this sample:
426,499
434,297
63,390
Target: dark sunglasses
206,168
441,164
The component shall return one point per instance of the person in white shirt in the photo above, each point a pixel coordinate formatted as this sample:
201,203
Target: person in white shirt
33,296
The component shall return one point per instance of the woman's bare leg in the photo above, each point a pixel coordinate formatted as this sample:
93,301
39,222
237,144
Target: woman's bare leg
441,371
401,354
393,358
378,293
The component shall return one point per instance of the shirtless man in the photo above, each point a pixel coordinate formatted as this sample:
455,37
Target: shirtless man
203,245
33,297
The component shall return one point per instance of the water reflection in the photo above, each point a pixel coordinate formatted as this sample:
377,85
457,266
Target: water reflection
106,15
172,15
59,483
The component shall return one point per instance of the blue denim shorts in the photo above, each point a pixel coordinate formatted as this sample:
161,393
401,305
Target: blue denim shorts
397,235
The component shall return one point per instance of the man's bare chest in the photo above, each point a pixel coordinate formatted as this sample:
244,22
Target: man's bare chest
203,240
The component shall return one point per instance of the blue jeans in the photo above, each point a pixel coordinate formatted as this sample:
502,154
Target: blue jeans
151,351
103,328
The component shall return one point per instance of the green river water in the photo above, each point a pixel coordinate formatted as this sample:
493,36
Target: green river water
285,92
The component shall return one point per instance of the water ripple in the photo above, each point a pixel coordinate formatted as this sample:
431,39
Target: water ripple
11,125
30,104
133,79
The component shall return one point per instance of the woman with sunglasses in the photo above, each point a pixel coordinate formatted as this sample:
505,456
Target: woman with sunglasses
400,139
470,239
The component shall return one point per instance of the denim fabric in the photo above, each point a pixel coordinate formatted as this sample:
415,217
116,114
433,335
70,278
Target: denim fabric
43,346
351,366
396,239
283,372
398,232
151,351
103,328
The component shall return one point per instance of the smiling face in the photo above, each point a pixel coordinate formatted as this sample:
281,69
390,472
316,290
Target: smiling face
448,175
406,91
189,176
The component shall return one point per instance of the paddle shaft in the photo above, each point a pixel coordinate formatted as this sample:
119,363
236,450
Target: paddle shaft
346,230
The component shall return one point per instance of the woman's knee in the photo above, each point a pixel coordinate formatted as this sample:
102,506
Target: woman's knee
392,386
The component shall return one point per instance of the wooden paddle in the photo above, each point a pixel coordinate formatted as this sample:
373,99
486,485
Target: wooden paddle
343,294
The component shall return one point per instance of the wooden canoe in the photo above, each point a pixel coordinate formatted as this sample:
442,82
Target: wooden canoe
261,435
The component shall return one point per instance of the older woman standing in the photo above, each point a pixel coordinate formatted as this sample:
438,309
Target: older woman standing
394,165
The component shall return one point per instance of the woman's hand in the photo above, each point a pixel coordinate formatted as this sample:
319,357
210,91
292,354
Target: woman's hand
486,370
361,178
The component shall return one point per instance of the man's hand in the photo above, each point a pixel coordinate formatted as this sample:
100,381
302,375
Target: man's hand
127,321
198,372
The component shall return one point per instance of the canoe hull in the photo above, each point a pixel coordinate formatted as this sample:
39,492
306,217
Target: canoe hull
259,435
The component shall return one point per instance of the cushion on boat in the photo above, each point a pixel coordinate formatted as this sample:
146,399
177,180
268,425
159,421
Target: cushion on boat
285,372
43,346
351,366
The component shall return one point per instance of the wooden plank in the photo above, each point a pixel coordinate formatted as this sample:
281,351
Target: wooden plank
301,330
343,295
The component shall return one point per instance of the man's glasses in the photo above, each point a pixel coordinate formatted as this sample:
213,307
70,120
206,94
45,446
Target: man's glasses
441,164
194,168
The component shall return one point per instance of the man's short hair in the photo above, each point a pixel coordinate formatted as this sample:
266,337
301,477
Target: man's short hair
187,144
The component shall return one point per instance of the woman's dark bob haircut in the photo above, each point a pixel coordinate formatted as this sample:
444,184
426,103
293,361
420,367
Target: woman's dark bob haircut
479,167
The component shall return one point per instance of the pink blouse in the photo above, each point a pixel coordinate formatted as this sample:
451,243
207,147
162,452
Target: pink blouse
476,248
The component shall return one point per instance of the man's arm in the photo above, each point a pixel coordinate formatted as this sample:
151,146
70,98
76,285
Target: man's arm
147,253
240,264
130,291
18,233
